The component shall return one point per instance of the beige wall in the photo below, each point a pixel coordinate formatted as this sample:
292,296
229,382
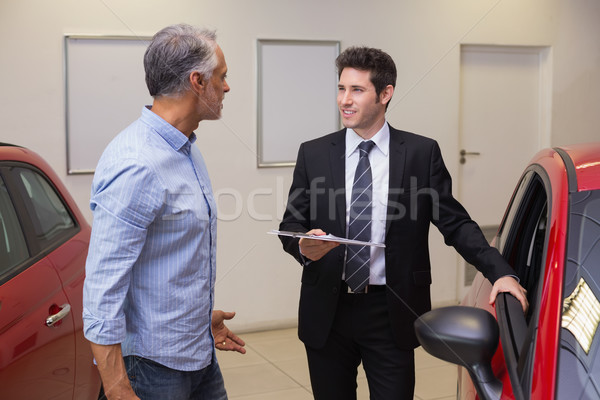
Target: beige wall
255,277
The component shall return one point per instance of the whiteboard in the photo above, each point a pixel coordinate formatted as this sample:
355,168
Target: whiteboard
297,90
105,91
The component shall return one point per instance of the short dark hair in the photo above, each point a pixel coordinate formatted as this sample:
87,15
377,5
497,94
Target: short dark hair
377,62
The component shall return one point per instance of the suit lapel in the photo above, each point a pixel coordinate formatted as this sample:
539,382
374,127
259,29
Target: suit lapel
397,160
337,161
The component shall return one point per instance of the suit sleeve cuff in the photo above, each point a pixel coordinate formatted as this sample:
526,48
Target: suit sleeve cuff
303,259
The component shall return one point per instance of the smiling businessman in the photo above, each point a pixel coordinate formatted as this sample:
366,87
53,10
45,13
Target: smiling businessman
380,184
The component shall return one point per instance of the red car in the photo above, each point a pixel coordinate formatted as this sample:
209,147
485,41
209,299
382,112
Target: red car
43,246
550,235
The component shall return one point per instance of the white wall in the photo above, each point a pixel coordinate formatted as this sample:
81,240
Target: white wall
255,277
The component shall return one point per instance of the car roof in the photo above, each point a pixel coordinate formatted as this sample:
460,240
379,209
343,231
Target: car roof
585,158
15,153
2,144
11,152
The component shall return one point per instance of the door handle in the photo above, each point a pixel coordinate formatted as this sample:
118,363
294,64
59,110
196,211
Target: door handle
464,153
65,309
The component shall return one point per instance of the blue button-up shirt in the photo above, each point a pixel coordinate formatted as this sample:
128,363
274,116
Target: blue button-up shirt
150,270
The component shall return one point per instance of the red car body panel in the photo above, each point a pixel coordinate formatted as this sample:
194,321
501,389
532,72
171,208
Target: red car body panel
544,376
586,167
36,361
32,353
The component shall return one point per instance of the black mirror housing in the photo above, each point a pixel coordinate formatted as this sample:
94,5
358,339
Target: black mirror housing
465,336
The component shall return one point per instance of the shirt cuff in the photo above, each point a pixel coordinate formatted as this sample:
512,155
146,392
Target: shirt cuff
104,332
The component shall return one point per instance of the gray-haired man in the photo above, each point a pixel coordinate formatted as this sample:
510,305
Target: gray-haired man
150,273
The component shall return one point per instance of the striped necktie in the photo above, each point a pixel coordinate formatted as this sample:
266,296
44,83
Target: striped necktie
359,224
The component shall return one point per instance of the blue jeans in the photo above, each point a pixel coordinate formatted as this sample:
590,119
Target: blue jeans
153,381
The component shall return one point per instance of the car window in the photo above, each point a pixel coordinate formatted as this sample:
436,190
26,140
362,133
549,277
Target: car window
522,240
13,248
579,354
527,240
512,211
522,236
51,216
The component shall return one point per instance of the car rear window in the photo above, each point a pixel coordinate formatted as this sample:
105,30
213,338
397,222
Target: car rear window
52,217
13,248
579,355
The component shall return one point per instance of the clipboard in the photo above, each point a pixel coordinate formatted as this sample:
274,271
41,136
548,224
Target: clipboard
329,238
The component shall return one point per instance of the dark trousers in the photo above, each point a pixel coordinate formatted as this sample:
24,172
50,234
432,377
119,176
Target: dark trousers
361,331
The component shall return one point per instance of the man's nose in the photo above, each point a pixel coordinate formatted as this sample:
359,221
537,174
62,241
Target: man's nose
345,98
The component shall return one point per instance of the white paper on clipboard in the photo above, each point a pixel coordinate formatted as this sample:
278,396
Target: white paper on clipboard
330,238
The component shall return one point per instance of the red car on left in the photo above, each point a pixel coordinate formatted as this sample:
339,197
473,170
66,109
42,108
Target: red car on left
43,246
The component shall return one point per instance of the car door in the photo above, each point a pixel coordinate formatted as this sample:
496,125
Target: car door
37,355
522,239
68,259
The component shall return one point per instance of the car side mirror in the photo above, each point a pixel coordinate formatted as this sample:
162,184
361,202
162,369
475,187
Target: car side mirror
466,336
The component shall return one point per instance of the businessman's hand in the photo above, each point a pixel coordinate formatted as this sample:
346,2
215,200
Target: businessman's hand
315,249
510,285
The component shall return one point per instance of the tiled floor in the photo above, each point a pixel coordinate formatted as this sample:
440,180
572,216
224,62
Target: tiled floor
274,368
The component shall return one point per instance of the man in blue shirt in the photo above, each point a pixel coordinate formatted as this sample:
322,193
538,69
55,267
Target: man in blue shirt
150,272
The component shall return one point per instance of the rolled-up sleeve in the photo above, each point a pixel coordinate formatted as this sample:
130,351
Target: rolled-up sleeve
124,201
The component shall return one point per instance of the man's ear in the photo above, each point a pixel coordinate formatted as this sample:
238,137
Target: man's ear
386,94
197,81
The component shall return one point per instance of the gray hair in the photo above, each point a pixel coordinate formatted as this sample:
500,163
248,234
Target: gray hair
174,53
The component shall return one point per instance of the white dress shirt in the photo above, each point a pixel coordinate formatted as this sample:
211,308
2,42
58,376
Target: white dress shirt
380,170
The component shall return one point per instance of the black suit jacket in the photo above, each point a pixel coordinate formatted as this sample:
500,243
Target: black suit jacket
420,194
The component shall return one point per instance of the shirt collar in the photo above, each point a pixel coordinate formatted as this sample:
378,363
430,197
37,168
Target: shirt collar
168,132
381,140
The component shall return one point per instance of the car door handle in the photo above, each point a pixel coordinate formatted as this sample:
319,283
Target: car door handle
464,153
65,309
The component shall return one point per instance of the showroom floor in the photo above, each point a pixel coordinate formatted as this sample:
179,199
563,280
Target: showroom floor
275,368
